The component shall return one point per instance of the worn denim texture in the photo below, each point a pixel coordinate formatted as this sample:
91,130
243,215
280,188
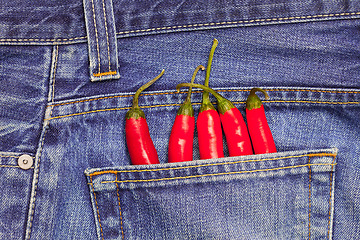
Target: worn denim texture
71,122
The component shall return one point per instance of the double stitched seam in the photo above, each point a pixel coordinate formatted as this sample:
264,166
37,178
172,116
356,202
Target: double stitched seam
216,164
53,79
96,34
218,174
310,195
178,104
36,173
240,22
99,73
97,208
309,17
41,39
230,90
330,198
121,218
225,90
107,35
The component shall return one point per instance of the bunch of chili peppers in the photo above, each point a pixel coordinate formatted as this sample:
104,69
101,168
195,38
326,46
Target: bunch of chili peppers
241,139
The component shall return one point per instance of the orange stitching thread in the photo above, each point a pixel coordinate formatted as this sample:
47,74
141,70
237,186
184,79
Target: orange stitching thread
176,104
311,90
104,73
219,174
96,34
320,102
309,197
97,208
215,164
121,219
98,173
199,91
119,96
331,176
117,109
107,35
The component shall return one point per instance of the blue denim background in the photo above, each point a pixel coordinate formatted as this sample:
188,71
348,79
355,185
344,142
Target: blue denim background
305,54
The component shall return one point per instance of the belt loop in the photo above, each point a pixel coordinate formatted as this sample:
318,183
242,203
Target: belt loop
101,35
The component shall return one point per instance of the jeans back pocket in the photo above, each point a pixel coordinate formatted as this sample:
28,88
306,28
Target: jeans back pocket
286,195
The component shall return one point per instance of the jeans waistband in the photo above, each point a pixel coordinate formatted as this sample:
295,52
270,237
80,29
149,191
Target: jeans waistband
101,22
63,22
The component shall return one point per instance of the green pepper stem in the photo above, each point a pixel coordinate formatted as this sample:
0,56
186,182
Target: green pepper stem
208,69
142,88
206,89
188,97
223,104
253,101
254,90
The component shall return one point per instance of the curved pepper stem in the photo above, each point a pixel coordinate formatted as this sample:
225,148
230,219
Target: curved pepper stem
206,98
223,104
142,88
253,101
188,97
135,111
186,108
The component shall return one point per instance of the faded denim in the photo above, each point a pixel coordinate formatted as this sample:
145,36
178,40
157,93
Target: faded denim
68,70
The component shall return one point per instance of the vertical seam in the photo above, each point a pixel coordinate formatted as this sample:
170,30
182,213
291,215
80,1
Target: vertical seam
331,186
96,35
121,218
107,35
40,150
309,197
97,208
53,77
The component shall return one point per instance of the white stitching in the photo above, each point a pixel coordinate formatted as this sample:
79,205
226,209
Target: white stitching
107,35
96,35
239,22
189,26
40,152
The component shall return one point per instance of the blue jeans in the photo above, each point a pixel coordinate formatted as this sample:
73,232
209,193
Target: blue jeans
69,69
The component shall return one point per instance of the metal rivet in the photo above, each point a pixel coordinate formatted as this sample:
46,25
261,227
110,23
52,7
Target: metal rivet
25,161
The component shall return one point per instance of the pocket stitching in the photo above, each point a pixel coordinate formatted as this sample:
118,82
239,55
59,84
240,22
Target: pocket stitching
121,218
214,164
309,197
97,208
220,174
330,198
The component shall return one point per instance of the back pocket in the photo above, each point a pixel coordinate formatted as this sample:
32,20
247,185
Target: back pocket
286,195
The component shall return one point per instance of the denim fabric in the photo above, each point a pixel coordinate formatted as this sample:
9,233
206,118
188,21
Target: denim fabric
218,199
101,34
304,53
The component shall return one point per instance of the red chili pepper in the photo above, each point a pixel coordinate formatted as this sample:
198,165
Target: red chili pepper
236,132
141,147
208,122
182,133
261,137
